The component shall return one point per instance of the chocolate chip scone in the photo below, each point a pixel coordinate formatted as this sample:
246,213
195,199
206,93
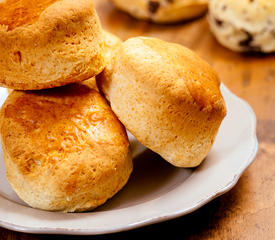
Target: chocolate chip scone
247,25
163,11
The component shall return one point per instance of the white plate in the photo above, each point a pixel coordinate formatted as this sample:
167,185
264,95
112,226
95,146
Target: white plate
156,191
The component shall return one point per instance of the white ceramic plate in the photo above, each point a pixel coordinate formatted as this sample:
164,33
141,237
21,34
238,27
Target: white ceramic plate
156,191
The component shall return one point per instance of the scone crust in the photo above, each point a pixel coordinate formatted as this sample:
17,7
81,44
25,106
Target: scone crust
111,43
244,25
15,13
64,149
63,46
163,11
167,97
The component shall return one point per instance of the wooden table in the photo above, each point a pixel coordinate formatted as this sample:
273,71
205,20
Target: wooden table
247,211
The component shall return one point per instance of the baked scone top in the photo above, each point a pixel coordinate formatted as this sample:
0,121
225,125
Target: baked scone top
68,124
167,97
16,13
176,62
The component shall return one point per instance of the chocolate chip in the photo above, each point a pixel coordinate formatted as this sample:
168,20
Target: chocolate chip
153,6
247,41
170,1
218,22
224,7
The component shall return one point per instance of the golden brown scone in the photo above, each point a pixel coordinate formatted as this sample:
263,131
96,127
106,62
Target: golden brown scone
64,148
167,97
91,83
49,43
163,11
112,43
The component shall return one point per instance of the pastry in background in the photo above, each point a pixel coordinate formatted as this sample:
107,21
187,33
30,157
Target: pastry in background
244,25
163,11
49,43
167,97
64,149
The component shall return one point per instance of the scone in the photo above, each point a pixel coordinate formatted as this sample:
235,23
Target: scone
49,43
64,149
244,25
112,43
167,97
163,11
91,83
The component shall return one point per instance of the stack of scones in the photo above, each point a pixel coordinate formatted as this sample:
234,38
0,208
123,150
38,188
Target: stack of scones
75,90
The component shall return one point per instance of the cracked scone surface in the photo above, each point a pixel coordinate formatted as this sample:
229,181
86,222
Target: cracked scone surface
49,43
167,97
247,25
163,11
64,149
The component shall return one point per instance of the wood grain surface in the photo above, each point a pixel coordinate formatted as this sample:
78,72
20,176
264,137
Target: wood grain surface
248,210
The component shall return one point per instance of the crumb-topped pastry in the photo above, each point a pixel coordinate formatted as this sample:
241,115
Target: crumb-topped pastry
64,149
163,11
246,25
167,97
49,43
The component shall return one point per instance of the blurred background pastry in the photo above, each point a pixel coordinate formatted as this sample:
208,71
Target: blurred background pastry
64,149
246,25
163,11
49,43
167,97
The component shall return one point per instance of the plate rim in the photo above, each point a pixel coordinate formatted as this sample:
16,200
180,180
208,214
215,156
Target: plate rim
159,218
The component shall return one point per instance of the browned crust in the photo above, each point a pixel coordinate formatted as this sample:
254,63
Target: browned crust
167,97
15,13
64,45
64,148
